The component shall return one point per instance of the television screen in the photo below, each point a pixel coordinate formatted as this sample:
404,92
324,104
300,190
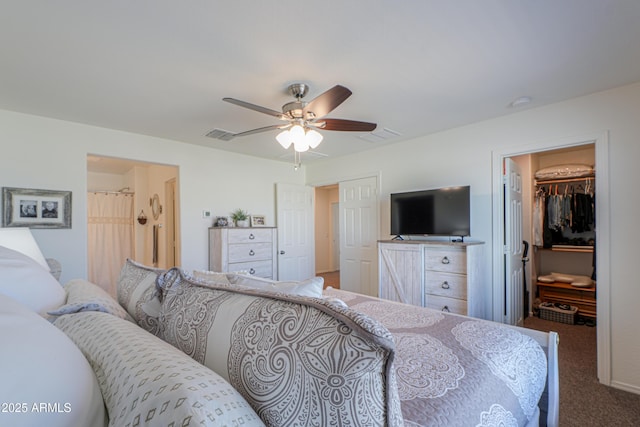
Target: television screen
438,212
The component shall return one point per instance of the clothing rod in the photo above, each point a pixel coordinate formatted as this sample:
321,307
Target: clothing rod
564,180
131,193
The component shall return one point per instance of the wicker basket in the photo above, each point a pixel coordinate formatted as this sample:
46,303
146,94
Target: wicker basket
558,315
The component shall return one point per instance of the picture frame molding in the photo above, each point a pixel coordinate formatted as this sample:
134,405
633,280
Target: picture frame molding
18,205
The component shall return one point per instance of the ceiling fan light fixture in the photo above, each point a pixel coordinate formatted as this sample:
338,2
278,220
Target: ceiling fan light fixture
297,133
284,139
313,138
301,145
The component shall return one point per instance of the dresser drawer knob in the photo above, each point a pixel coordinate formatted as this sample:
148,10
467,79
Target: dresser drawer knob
445,285
445,260
251,236
446,309
251,252
252,271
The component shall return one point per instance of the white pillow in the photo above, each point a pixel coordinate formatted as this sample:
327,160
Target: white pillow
574,279
39,364
24,280
565,171
310,288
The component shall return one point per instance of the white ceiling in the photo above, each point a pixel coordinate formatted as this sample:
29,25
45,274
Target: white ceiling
162,67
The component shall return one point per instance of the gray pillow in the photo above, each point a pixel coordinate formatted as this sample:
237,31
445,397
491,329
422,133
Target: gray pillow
145,381
86,296
138,294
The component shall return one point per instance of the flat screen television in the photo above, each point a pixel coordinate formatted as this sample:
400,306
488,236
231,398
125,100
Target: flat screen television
437,212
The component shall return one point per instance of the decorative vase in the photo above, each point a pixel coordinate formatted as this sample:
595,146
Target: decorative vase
242,223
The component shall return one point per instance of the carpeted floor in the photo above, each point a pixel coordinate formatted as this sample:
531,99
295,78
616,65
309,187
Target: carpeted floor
583,400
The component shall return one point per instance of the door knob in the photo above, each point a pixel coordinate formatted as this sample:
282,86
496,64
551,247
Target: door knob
281,252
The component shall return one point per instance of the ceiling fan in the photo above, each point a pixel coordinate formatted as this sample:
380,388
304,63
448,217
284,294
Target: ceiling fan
302,118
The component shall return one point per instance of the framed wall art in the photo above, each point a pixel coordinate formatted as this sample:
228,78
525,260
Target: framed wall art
26,207
258,221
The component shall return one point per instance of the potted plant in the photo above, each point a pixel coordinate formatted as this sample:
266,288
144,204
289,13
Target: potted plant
240,217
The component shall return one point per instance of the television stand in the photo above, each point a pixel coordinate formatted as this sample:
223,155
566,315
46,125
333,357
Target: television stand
398,237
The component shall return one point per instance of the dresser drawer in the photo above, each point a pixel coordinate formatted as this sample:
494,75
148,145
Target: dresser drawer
249,235
451,305
449,260
243,252
446,284
257,268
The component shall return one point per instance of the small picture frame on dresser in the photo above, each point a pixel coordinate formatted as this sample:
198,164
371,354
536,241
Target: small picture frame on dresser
258,221
221,221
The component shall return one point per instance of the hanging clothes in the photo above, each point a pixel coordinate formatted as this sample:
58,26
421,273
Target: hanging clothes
561,209
538,217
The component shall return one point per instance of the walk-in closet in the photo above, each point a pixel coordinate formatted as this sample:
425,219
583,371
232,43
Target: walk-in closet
564,234
559,226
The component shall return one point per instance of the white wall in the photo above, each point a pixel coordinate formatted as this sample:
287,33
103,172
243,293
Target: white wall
464,156
51,154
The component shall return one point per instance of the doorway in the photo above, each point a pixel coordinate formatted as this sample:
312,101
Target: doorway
142,180
327,234
602,245
346,233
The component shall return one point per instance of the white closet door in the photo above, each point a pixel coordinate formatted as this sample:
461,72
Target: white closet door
296,251
514,282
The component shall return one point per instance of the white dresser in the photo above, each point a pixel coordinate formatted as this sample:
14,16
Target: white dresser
244,249
440,275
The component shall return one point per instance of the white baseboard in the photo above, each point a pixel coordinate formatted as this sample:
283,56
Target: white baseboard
626,387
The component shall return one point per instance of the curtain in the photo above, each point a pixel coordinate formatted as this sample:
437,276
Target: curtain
110,237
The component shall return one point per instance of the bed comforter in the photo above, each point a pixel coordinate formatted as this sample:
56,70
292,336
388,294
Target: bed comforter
455,370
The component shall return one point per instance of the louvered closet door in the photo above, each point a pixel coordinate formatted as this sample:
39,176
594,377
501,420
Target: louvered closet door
514,293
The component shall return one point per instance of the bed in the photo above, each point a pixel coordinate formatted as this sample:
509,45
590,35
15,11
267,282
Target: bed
472,365
276,353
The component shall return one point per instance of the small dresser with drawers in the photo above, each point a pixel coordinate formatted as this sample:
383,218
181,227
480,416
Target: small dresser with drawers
244,249
440,275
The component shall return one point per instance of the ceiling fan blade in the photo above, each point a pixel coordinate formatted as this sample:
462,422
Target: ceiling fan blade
346,125
263,129
254,107
324,103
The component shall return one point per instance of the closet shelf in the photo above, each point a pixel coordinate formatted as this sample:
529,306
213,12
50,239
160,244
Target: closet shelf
567,248
564,180
572,248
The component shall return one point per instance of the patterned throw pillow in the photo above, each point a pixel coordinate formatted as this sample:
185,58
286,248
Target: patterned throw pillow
280,352
87,296
145,381
138,294
309,288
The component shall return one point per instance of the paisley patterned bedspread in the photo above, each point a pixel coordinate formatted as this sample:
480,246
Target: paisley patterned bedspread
455,370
